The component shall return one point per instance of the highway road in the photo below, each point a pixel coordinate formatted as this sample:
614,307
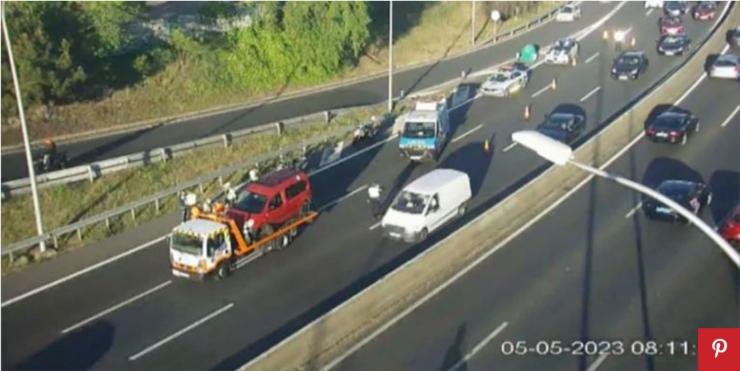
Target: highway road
367,92
133,313
593,269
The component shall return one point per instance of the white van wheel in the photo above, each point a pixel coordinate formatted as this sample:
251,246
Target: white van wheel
423,235
461,210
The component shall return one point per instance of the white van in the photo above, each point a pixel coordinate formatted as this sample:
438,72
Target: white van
426,204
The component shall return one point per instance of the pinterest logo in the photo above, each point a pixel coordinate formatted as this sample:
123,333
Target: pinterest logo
718,349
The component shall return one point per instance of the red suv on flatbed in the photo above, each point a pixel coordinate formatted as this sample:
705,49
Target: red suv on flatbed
277,198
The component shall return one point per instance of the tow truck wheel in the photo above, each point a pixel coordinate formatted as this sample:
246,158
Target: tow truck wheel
222,271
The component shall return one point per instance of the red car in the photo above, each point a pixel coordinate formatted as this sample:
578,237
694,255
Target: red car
671,26
730,229
277,198
705,11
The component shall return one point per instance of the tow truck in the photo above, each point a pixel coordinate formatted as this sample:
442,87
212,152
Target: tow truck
215,241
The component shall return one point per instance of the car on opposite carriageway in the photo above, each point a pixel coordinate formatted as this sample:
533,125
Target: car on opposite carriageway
673,44
694,196
672,127
563,126
670,25
629,65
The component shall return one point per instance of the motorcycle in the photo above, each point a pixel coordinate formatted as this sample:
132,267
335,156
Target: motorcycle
363,133
50,162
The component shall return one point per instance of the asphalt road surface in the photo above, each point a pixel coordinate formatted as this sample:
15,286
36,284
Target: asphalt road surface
367,92
133,313
593,269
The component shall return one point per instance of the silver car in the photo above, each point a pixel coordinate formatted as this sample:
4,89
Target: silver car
727,66
505,82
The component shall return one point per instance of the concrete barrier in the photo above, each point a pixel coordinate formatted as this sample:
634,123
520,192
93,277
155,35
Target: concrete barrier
331,335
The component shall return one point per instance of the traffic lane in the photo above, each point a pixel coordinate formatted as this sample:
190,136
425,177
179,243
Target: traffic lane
367,92
563,255
504,173
505,120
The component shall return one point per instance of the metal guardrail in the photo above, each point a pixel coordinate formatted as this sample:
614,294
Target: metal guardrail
131,208
94,170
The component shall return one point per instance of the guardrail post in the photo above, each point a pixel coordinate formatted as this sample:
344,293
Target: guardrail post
107,223
79,233
227,140
133,214
200,187
279,128
327,116
92,173
165,154
156,205
56,241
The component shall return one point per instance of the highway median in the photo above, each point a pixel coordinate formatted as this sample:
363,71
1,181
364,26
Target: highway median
333,336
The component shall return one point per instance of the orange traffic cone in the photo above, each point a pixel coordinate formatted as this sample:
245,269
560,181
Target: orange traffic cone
554,84
487,145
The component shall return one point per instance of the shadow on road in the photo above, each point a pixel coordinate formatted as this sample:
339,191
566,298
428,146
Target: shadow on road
725,185
78,350
454,352
664,168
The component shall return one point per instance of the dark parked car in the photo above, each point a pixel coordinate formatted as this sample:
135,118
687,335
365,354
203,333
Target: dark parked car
629,65
565,127
675,8
670,25
673,44
735,37
672,127
704,11
693,196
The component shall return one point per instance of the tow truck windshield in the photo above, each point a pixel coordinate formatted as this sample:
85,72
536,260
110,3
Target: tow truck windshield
419,130
187,243
250,202
411,203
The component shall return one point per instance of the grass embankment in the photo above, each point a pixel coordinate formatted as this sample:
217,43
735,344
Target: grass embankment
423,33
66,204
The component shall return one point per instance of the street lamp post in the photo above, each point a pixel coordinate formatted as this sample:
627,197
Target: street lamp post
472,21
390,57
561,154
24,130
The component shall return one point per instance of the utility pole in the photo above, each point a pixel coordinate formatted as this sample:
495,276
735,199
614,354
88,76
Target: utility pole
472,22
26,142
390,57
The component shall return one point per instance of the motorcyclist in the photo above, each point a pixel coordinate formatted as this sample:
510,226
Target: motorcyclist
50,153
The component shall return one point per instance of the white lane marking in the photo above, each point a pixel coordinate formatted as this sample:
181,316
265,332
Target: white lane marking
538,92
478,347
727,121
480,259
463,135
376,225
591,58
81,272
633,210
116,307
597,362
178,333
510,146
340,199
650,11
592,92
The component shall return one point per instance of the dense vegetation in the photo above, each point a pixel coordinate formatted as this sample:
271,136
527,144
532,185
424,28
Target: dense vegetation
68,53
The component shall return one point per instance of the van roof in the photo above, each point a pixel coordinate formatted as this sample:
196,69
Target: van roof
432,181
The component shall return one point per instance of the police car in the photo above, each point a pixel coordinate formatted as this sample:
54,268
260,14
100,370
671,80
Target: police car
505,82
565,51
